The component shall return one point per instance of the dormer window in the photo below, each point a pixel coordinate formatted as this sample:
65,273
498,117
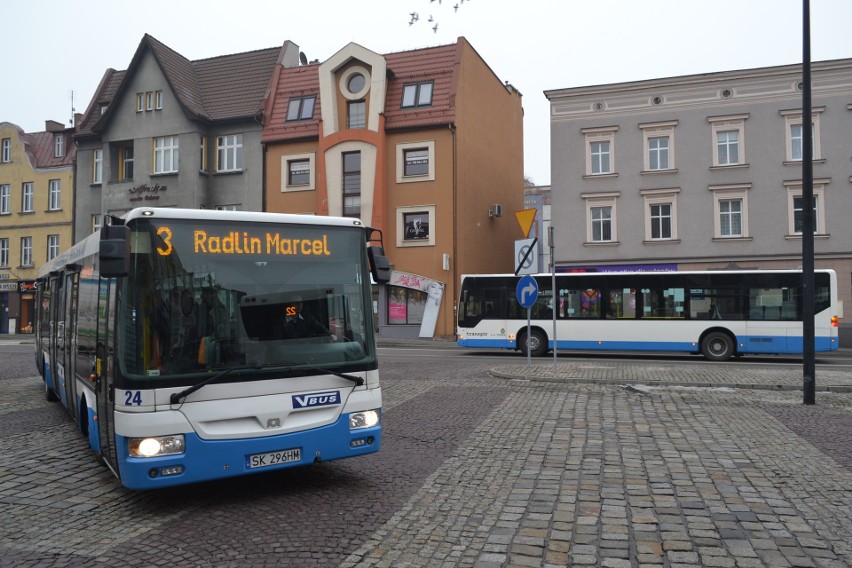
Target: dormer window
301,108
58,145
417,94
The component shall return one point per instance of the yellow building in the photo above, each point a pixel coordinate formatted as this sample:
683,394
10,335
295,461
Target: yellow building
36,213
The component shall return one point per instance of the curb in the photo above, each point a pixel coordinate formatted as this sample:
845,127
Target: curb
745,386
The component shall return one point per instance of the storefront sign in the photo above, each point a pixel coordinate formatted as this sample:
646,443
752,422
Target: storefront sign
8,286
27,286
145,191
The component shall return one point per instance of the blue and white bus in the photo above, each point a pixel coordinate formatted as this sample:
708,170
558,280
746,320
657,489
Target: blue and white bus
716,313
162,334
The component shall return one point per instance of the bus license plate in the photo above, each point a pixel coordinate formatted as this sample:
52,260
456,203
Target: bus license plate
274,458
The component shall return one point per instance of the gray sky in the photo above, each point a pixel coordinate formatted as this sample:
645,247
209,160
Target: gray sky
54,47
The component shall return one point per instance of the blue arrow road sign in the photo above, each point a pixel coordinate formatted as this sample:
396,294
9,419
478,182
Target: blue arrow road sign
526,291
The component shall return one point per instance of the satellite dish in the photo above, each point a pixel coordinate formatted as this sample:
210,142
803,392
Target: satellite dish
303,59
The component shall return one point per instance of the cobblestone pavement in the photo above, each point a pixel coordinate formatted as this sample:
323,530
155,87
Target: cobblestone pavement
484,469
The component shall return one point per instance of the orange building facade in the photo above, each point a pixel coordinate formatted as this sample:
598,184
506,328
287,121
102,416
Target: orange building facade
425,145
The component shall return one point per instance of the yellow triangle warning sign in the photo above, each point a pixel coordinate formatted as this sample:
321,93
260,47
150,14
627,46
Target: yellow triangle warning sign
525,218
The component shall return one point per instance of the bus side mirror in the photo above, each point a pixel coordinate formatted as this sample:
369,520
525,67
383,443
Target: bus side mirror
379,265
114,251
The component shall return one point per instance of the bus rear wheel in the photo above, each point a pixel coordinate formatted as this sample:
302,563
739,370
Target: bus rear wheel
536,343
717,346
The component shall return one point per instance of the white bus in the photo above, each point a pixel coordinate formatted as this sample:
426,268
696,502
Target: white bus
168,336
716,313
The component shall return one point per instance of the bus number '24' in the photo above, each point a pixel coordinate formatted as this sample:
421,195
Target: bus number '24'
132,398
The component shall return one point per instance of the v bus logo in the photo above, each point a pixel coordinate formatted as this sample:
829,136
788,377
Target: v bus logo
316,399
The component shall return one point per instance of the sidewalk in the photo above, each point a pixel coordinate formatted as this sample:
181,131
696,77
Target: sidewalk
770,377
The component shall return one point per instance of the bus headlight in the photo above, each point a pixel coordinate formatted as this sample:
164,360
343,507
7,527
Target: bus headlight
156,446
366,419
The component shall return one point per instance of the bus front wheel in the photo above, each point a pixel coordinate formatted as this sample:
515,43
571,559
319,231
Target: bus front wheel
536,343
717,346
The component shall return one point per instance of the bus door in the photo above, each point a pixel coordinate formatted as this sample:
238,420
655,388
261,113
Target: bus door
66,341
104,369
56,329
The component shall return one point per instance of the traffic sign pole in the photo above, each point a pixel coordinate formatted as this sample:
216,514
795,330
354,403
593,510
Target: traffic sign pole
526,292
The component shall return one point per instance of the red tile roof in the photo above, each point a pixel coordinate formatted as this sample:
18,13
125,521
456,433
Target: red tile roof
434,63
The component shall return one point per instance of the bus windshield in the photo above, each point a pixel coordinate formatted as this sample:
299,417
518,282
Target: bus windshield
205,297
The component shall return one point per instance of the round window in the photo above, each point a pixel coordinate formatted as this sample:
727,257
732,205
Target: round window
356,83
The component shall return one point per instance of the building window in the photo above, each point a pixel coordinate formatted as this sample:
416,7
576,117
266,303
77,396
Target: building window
5,199
27,198
301,108
26,251
659,146
229,207
357,114
140,102
297,172
229,153
601,224
52,246
58,145
354,83
658,153
97,166
730,206
415,226
660,214
4,252
53,195
728,140
601,217
149,100
158,100
731,217
166,155
96,223
795,136
6,150
417,94
415,161
202,145
795,208
600,150
406,306
352,184
125,163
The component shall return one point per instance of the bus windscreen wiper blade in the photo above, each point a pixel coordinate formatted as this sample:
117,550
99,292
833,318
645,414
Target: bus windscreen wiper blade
291,366
177,396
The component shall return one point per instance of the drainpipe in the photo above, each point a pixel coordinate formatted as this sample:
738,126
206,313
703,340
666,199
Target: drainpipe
454,259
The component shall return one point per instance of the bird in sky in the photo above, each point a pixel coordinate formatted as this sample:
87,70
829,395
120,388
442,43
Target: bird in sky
435,29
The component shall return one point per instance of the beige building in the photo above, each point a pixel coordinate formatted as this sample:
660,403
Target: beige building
36,213
426,145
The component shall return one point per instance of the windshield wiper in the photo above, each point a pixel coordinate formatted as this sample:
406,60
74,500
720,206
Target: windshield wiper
177,396
287,366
